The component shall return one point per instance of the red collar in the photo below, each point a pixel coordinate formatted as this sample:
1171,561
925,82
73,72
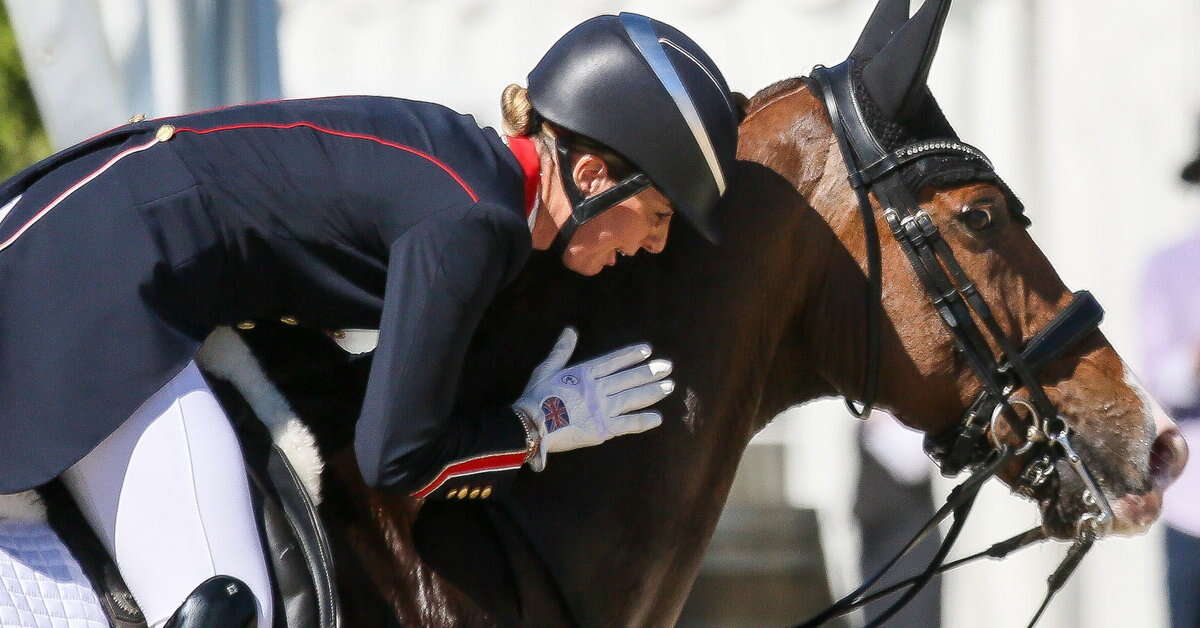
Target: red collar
526,153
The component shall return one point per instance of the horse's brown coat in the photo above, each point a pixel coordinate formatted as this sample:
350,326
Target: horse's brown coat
613,535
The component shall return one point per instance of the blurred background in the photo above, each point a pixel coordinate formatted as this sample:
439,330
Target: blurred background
1089,109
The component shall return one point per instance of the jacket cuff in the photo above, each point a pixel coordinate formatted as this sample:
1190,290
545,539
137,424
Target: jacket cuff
474,478
485,470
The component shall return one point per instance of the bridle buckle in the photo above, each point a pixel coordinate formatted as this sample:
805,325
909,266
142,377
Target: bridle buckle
1037,472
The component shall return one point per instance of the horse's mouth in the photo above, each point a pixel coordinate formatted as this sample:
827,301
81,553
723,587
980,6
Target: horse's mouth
1065,509
1063,505
1062,509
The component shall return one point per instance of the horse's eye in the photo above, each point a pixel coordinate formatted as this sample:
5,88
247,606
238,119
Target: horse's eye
977,219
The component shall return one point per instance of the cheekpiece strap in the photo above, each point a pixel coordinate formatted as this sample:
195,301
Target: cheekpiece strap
874,292
584,209
966,444
865,159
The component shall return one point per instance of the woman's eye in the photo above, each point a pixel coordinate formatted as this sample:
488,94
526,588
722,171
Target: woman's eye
977,219
663,217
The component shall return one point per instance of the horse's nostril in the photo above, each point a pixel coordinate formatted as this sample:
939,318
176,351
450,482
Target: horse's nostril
1168,457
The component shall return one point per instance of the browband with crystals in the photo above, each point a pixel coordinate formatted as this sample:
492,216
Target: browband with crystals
919,150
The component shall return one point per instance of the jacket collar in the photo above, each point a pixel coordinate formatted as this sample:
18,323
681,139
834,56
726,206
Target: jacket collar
523,149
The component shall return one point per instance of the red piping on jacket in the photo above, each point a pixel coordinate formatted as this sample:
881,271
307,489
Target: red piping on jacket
471,466
358,136
71,190
168,119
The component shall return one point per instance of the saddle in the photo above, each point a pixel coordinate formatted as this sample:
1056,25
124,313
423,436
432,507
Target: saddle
293,538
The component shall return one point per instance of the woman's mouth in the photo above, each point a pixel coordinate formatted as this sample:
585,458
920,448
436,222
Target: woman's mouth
612,257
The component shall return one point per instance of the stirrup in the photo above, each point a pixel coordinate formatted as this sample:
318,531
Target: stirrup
218,601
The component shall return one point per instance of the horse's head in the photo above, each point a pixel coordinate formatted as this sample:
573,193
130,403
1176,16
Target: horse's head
1133,449
905,154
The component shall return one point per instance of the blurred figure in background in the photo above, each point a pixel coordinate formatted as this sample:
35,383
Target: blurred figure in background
894,500
1170,334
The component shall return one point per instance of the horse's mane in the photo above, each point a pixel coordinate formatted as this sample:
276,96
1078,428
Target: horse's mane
767,94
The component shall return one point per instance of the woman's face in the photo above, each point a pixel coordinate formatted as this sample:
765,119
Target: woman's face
637,223
640,222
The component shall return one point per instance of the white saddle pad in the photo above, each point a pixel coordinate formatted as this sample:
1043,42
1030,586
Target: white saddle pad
41,584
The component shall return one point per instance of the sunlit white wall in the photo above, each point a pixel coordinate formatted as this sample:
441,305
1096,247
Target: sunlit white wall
1088,108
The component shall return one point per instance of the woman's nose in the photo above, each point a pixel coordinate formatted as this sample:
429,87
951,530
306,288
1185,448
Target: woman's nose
655,242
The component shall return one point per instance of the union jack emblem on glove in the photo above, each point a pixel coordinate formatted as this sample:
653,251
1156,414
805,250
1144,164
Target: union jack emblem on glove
555,412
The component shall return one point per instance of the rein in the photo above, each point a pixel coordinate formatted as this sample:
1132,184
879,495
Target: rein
975,442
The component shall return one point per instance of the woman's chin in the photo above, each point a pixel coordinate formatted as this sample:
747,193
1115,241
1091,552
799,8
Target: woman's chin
587,268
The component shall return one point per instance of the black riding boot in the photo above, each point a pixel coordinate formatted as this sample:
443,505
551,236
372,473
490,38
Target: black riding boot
219,601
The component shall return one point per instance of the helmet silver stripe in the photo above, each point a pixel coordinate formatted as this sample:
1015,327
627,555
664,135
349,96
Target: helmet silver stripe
641,32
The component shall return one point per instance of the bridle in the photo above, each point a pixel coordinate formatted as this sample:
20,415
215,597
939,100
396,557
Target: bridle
975,443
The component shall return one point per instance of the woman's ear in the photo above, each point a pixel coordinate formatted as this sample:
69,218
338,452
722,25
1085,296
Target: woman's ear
590,173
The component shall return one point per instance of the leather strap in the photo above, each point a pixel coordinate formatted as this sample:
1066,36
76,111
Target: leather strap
1080,318
585,209
874,291
958,303
957,448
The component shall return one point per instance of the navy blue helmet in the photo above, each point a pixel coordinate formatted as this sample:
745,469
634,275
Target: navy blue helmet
647,91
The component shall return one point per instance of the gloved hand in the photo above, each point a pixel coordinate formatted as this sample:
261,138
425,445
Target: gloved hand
590,402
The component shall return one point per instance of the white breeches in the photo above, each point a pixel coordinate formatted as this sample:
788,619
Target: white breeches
167,494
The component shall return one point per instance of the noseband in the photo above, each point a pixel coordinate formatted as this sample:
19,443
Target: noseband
1045,444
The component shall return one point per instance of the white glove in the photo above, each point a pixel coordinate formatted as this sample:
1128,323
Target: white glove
588,403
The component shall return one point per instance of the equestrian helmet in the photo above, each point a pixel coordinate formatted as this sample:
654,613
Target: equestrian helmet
648,92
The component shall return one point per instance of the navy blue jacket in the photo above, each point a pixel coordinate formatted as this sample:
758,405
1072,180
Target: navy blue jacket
125,251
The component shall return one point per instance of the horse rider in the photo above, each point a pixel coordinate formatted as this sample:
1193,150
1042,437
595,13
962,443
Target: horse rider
118,256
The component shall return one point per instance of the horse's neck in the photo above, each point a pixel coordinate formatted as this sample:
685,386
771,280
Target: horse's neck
753,327
828,343
797,141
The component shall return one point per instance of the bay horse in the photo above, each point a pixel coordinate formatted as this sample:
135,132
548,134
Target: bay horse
771,318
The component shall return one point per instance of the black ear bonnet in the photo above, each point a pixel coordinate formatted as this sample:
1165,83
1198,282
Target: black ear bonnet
887,73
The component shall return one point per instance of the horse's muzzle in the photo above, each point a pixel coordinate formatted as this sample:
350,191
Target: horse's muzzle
1063,507
1168,457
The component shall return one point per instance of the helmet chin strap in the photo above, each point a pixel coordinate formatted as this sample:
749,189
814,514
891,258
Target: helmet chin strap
585,209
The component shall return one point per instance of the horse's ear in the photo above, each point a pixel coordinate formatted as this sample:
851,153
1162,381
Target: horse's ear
888,17
896,76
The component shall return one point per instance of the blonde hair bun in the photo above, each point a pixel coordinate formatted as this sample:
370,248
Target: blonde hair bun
517,111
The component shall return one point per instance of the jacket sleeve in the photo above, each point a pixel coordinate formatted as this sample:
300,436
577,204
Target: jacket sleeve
442,274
